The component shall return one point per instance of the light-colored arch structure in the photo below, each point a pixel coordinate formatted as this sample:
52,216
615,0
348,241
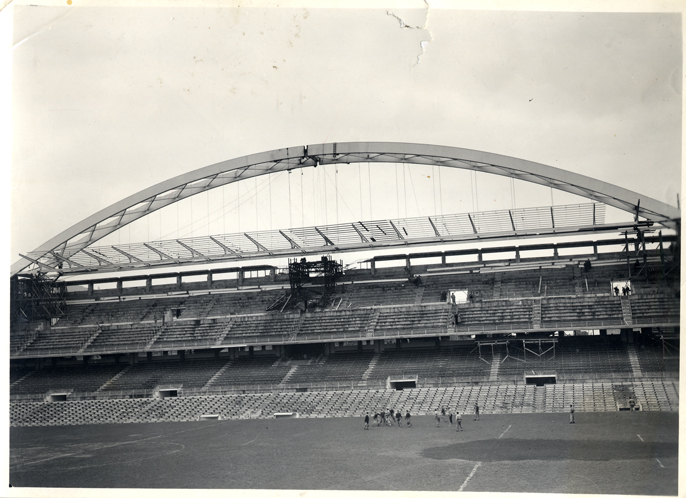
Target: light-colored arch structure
88,231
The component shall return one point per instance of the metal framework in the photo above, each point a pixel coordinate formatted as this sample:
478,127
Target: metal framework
325,270
36,297
62,248
342,237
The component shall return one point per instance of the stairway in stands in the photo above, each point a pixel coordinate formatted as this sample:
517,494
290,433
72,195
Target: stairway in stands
371,325
89,341
287,377
106,384
370,368
495,366
154,337
626,311
536,314
419,295
225,332
497,286
633,360
217,374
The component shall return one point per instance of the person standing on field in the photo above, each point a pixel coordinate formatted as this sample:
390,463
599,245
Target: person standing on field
366,421
437,417
571,414
458,421
476,411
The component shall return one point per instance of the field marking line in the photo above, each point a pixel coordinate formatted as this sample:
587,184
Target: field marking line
639,437
471,474
658,461
508,428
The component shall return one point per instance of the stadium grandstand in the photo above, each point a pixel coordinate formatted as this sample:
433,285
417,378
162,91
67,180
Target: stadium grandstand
518,310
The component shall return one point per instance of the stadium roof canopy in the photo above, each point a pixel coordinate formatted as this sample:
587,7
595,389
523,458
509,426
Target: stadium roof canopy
68,252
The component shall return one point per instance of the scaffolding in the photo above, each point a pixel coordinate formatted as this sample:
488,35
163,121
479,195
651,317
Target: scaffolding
36,297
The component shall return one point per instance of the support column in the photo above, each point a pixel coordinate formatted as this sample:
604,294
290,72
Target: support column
408,265
555,253
241,277
90,288
373,265
119,287
179,281
443,259
210,280
517,255
148,284
480,256
272,274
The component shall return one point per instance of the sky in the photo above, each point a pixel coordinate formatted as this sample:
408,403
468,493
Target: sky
107,101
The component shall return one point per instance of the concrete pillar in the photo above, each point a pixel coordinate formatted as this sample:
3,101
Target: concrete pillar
517,255
241,277
359,345
603,332
119,287
149,356
179,281
595,250
408,265
378,346
480,256
555,254
148,284
373,265
272,274
182,354
90,288
210,281
443,259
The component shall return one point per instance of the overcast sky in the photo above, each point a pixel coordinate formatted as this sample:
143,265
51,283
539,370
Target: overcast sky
108,101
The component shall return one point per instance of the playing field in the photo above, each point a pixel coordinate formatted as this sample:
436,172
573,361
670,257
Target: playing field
613,453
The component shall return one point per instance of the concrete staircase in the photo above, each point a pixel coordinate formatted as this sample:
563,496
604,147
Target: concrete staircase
225,332
495,367
371,325
208,308
154,338
419,295
536,314
89,341
217,374
627,316
370,368
107,384
497,286
290,373
22,379
633,361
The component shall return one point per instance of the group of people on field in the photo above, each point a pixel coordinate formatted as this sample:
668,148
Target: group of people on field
446,415
388,417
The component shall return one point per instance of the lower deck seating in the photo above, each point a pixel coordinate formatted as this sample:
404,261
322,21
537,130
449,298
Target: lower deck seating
430,363
254,370
553,398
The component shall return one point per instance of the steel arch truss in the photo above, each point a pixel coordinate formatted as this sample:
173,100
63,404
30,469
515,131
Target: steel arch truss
52,255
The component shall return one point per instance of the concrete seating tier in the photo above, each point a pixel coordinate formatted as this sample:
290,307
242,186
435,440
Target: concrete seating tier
651,359
428,319
514,314
376,294
336,322
246,327
148,375
60,340
254,370
122,338
431,363
334,368
17,373
67,379
596,309
189,332
552,398
655,307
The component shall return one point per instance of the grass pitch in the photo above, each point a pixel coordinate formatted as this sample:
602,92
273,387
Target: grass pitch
603,453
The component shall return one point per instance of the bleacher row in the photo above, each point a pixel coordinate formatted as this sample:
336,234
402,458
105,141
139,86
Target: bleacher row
601,397
573,357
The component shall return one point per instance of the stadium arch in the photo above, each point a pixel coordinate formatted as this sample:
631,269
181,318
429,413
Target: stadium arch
95,227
